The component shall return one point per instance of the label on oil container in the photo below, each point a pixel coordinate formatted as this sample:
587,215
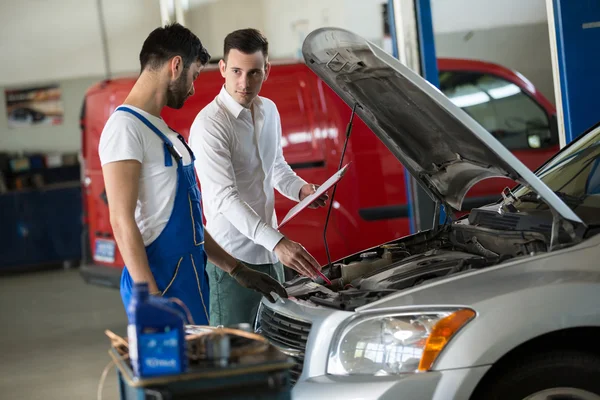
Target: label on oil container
132,339
160,353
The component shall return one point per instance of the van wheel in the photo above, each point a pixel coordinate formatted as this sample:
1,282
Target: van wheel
558,375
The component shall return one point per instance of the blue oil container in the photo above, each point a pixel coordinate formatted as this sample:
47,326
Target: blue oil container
156,335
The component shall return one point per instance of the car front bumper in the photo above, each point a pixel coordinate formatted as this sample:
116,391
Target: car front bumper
455,384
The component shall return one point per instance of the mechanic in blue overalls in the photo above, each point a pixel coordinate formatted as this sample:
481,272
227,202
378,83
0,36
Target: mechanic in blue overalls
153,196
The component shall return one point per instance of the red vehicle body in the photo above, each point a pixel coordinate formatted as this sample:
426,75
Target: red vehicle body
372,197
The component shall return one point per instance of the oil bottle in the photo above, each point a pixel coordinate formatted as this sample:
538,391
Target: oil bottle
156,335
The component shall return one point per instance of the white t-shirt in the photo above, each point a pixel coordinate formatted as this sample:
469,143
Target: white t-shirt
125,137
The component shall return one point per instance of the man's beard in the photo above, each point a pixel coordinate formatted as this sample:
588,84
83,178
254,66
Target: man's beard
177,92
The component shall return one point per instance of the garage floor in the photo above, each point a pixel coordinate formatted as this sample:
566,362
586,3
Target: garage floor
53,343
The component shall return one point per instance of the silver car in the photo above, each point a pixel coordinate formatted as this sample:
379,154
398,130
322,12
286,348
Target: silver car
503,303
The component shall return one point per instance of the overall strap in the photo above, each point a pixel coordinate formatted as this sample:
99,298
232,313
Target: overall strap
192,156
170,150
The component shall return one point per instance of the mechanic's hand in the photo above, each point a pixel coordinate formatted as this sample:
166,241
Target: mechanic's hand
309,189
262,283
293,255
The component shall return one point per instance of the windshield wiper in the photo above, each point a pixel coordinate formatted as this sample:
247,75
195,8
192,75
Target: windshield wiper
533,197
508,204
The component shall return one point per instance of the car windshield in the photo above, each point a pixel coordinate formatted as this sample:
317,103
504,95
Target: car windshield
574,175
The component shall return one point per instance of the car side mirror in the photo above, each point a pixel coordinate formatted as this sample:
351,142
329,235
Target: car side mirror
542,134
534,141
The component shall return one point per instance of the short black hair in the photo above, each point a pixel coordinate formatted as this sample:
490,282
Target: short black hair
248,41
169,41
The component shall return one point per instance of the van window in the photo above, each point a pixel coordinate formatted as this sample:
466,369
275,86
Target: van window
501,107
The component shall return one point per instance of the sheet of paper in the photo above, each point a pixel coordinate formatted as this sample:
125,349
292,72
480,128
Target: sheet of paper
310,199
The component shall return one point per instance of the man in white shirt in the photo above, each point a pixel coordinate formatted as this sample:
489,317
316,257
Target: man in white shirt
237,138
153,197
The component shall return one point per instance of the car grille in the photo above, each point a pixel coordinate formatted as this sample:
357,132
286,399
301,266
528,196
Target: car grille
288,334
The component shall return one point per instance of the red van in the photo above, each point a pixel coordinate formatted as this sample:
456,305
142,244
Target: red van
314,121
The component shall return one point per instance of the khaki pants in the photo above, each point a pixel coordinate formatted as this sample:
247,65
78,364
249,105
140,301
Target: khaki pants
231,303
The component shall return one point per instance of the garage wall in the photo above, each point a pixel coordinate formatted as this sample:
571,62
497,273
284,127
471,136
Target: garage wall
128,24
60,138
60,39
288,21
525,48
458,15
365,18
59,42
284,22
33,52
211,22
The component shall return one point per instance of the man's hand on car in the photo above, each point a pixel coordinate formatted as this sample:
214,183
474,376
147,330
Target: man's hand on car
263,283
309,189
295,256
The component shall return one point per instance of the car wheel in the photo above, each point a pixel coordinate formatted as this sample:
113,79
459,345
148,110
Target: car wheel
559,375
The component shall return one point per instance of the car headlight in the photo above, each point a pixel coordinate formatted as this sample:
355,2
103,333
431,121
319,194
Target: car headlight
394,343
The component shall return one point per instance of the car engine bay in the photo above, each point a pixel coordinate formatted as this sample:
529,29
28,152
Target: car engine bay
368,276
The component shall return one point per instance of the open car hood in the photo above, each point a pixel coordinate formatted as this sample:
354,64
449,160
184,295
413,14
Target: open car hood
442,147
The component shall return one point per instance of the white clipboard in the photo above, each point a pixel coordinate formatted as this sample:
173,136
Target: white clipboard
335,178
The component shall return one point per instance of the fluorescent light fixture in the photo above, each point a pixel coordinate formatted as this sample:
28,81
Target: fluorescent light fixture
504,91
300,137
469,100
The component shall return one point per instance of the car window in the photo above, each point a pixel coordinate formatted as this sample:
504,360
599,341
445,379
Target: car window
501,107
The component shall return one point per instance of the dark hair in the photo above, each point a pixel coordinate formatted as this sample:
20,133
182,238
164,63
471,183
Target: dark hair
169,41
247,41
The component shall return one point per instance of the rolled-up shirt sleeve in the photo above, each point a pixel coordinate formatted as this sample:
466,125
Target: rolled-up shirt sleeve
209,141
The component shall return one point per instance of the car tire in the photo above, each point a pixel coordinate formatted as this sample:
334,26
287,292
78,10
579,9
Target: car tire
554,375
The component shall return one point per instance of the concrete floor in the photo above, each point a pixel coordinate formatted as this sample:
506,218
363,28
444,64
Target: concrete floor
53,343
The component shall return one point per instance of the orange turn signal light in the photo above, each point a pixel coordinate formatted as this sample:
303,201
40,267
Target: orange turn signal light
441,334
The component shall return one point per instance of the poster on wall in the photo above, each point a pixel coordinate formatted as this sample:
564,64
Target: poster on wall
31,106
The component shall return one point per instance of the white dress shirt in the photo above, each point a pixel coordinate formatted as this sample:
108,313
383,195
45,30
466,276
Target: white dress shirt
239,164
